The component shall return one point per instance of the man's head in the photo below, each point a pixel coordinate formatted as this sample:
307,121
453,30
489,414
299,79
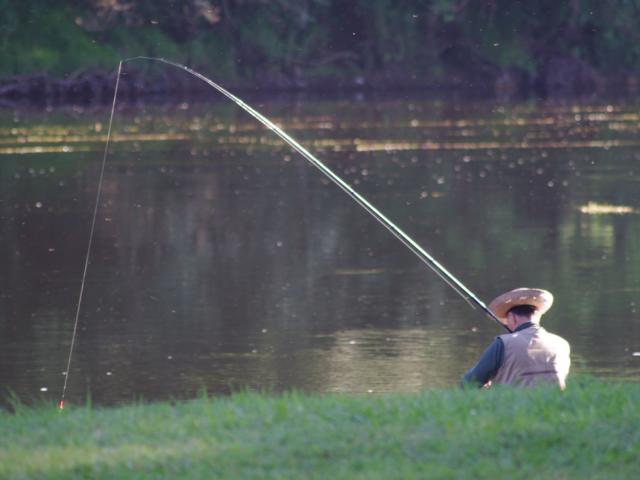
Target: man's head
516,316
521,305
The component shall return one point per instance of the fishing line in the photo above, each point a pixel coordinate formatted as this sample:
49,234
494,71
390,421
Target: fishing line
406,240
91,232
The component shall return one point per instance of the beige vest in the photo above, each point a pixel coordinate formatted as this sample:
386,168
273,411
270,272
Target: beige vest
534,355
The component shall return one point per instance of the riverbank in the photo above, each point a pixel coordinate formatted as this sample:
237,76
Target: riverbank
96,87
589,431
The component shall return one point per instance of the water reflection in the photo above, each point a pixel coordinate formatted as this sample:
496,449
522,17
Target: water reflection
223,261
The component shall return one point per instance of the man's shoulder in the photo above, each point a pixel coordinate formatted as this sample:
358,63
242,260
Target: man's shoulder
559,341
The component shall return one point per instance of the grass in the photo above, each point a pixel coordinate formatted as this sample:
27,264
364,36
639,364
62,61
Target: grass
590,431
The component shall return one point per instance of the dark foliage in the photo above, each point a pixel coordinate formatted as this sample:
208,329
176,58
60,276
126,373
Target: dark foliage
505,45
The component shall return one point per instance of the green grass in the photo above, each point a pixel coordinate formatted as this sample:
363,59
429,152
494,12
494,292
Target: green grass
590,431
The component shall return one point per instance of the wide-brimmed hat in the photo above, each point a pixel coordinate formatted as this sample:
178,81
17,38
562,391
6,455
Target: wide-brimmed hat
540,299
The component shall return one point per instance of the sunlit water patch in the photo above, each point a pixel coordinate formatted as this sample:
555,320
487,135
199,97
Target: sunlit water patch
593,208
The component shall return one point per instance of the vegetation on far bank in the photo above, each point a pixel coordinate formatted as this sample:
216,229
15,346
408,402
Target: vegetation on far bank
496,44
589,431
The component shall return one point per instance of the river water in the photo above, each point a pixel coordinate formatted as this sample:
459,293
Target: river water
223,261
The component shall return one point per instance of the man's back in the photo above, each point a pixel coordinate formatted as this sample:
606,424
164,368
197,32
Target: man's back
534,355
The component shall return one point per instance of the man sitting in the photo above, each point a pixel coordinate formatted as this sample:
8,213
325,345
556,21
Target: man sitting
527,356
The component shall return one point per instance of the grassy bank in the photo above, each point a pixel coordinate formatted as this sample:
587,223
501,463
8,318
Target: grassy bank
589,431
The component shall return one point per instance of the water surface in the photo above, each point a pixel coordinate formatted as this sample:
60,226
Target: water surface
223,261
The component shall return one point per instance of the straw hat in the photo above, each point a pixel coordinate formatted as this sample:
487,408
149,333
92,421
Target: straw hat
540,299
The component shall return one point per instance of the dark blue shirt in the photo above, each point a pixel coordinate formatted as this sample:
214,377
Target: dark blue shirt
490,362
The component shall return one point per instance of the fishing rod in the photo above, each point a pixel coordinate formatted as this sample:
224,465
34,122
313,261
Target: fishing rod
411,244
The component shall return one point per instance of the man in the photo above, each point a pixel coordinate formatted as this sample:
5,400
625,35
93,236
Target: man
527,356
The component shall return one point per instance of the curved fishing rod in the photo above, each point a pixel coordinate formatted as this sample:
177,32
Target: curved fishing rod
411,244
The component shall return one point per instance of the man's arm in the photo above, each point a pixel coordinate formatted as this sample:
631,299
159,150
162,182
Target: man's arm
487,367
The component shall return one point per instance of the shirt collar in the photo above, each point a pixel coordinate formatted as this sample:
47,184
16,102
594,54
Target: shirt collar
523,326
